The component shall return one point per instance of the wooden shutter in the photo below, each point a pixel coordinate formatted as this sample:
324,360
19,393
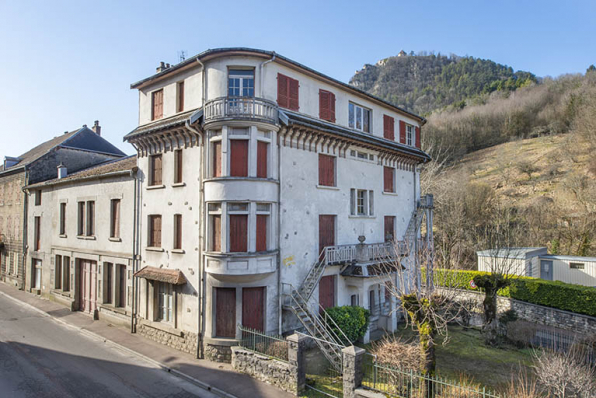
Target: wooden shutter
81,219
262,232
115,233
155,231
239,158
156,170
62,218
388,173
90,218
389,227
294,91
332,107
216,233
326,231
180,96
326,170
283,96
178,170
262,150
402,132
157,99
253,301
327,105
225,312
388,127
217,159
418,137
178,231
122,284
238,232
37,233
327,292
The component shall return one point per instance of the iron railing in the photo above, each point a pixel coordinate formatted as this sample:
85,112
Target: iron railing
241,108
410,384
273,346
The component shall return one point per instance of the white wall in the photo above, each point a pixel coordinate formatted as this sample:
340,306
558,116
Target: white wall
562,272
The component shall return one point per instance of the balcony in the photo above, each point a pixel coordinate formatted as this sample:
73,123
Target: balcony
241,108
364,253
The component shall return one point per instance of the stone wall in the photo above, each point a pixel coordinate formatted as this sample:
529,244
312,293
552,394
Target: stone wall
278,373
218,353
180,340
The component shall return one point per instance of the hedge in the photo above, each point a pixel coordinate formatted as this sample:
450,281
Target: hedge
555,294
353,321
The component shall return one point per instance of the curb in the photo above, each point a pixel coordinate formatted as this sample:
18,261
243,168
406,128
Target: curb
112,343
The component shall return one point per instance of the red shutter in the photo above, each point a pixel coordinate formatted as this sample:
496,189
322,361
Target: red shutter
402,132
389,227
418,137
326,170
262,149
253,301
180,96
217,159
324,104
388,179
326,231
262,232
388,127
327,292
216,233
157,97
238,229
332,107
294,91
225,312
239,158
282,91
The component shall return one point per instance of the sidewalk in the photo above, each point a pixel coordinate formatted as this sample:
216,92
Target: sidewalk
219,378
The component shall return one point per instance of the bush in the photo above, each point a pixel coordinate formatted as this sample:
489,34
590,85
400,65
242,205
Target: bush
353,322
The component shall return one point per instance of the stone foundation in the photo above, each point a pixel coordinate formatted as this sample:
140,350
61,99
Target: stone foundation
218,353
179,340
280,374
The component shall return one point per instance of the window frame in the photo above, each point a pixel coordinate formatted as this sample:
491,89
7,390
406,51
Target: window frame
153,182
410,134
367,203
178,167
165,302
242,79
177,238
577,265
266,214
151,232
352,117
214,212
115,217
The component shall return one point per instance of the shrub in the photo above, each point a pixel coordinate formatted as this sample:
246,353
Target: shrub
393,351
353,322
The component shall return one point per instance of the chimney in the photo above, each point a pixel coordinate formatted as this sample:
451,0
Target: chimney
96,128
161,67
61,171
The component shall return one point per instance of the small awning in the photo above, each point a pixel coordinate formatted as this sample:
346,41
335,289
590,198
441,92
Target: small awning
171,276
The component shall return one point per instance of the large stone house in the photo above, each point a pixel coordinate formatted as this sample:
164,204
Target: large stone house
268,190
76,150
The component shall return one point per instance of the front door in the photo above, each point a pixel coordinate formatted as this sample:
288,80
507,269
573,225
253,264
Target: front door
326,232
87,286
327,292
225,312
253,301
389,228
546,270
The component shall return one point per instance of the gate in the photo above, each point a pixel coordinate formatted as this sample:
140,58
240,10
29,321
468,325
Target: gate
322,379
87,286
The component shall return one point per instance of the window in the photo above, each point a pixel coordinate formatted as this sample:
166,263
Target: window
410,135
576,265
241,83
37,233
115,218
238,225
65,274
180,96
81,219
263,212
63,218
215,227
239,158
108,274
58,272
38,197
90,218
362,155
326,170
388,127
216,154
178,166
372,301
361,202
359,118
388,179
354,300
327,105
389,228
164,302
154,235
177,231
288,90
262,155
157,104
388,289
121,280
155,170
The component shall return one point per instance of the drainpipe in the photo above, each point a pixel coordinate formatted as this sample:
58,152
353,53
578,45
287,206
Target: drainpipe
279,286
135,252
25,226
203,81
261,65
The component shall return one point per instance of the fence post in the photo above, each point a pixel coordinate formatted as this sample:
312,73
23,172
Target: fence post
353,371
296,350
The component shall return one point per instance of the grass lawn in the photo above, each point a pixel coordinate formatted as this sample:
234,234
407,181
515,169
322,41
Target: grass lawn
466,353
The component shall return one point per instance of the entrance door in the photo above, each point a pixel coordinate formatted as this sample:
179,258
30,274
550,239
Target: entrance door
327,292
389,228
326,232
87,285
225,312
546,270
253,300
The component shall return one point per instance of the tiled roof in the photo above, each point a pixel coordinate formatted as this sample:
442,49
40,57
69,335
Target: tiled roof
109,167
161,124
172,276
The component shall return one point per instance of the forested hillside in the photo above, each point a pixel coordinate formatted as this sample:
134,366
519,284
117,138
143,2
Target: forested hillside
422,83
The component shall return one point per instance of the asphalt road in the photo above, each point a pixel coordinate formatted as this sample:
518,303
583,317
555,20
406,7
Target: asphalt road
40,357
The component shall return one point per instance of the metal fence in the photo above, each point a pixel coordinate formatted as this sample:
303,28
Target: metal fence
273,346
409,384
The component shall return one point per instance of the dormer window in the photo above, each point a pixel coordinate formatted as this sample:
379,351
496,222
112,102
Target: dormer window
241,83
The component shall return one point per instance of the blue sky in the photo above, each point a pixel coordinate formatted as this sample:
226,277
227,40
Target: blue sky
68,63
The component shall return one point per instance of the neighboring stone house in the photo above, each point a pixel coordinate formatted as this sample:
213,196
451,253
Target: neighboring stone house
268,189
81,236
76,150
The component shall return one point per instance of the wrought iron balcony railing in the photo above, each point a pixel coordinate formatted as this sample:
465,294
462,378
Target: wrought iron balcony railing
241,108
